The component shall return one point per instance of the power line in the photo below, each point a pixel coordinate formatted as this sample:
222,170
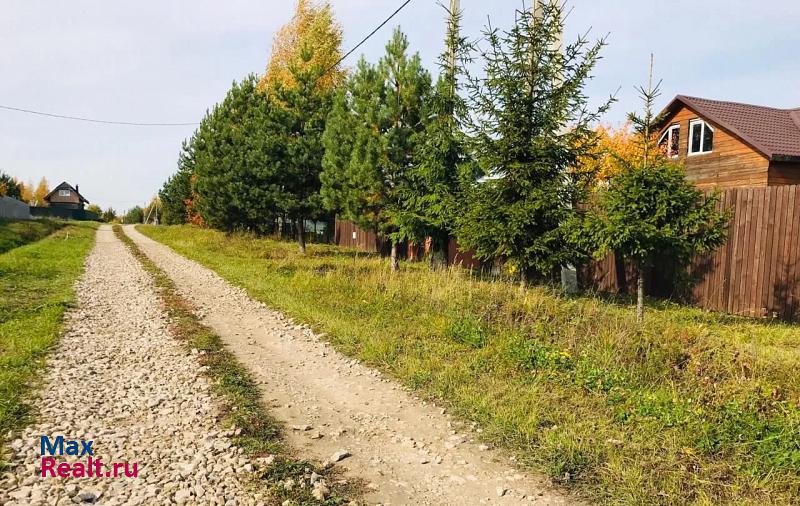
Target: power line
133,123
89,120
365,39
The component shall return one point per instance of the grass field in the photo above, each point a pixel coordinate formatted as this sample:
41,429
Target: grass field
36,287
14,234
687,408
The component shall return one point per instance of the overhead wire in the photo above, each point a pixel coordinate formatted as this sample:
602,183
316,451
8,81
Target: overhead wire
167,124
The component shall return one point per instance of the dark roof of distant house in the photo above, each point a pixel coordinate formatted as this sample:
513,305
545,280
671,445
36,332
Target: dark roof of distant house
66,186
773,132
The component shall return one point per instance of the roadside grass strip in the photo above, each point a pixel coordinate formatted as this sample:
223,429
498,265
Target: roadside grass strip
689,407
36,288
16,233
256,431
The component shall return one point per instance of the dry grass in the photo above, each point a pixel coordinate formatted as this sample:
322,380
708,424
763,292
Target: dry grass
688,408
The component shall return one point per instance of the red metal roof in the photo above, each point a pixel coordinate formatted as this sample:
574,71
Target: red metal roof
773,132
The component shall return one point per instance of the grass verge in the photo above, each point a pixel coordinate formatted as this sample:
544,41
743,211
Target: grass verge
36,288
258,433
14,234
689,407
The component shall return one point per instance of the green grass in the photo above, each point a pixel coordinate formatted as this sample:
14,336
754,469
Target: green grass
36,287
689,407
259,433
14,234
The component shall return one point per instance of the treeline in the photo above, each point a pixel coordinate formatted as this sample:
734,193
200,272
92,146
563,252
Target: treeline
499,158
26,192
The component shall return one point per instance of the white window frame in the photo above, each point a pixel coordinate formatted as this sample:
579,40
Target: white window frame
64,193
703,125
668,135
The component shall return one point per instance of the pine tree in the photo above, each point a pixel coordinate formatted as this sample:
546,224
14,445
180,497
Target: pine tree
301,112
237,158
177,190
9,187
529,126
385,108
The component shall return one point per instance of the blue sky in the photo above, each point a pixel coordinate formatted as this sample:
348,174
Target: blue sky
169,60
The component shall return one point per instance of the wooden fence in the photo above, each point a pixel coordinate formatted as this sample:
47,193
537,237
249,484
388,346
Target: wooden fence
348,235
756,271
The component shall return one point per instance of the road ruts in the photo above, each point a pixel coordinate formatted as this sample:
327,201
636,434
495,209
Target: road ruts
118,378
407,452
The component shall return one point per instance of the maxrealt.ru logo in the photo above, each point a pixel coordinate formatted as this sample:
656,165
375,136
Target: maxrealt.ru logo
91,467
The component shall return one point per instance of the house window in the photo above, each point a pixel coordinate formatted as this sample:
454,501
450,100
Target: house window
63,193
670,141
701,137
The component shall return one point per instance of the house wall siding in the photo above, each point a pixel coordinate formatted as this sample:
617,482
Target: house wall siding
782,173
58,199
732,163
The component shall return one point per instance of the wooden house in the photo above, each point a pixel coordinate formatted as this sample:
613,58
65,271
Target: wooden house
64,196
728,144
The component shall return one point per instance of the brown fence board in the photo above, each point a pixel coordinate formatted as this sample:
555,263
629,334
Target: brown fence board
794,269
784,289
769,251
763,230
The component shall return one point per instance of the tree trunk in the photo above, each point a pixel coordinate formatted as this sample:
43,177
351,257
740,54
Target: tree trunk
301,234
640,294
394,263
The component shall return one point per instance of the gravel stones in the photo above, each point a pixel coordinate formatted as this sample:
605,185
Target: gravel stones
118,377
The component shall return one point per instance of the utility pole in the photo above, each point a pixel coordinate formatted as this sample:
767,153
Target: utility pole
569,275
538,14
455,6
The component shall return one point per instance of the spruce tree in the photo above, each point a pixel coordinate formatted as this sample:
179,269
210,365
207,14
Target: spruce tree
529,126
444,167
649,210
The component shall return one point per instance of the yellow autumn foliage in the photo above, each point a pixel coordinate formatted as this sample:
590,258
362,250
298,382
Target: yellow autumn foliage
41,191
313,28
26,190
616,147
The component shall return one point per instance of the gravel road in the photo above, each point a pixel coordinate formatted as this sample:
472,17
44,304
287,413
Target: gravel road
407,452
118,378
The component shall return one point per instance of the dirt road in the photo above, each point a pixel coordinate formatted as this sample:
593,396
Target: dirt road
118,379
405,451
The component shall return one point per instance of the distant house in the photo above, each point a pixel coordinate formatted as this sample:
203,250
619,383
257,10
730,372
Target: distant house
728,144
65,202
64,196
